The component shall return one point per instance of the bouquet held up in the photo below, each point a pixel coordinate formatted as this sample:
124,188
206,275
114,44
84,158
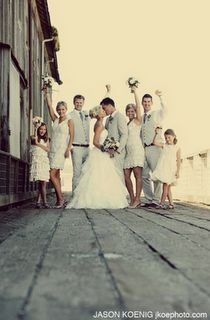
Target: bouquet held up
132,82
110,144
37,121
47,81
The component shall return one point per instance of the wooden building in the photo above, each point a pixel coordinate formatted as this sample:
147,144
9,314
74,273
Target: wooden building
27,52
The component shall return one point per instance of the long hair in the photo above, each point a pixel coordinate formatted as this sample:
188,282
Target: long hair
45,136
171,133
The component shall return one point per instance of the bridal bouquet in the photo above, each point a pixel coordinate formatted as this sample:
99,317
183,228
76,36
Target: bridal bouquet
110,144
47,81
132,82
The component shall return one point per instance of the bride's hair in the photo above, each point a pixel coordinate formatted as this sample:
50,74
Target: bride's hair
94,111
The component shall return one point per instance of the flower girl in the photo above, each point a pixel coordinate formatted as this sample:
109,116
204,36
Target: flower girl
39,170
168,166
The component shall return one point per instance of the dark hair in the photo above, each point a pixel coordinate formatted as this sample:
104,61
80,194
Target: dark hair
107,101
171,133
45,136
147,95
78,96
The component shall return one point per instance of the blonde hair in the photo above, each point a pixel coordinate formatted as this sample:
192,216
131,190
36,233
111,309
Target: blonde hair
130,106
61,103
94,111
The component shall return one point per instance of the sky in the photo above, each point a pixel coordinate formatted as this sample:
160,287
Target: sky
162,43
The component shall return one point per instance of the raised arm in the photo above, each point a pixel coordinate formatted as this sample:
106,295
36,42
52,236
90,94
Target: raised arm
53,116
108,91
163,110
71,139
138,106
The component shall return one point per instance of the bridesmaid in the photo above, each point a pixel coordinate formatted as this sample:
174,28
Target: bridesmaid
61,144
134,159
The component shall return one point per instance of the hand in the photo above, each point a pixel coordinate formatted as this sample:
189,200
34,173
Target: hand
133,89
66,154
111,152
158,93
35,138
108,87
177,175
157,129
45,90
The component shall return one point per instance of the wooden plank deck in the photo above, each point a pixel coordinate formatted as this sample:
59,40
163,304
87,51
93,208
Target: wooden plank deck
68,264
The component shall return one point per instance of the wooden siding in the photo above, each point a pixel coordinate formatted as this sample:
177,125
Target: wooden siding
21,36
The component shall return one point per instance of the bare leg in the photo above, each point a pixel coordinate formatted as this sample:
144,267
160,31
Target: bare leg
170,198
55,178
43,191
164,193
129,184
39,194
138,176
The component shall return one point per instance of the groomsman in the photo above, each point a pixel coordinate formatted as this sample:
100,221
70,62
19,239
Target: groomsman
80,150
151,120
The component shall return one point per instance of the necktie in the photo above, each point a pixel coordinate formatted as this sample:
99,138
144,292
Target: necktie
110,118
145,117
81,115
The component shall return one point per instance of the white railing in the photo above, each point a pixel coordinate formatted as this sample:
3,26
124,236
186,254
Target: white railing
194,182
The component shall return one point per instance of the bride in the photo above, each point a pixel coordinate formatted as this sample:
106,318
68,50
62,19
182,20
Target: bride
100,184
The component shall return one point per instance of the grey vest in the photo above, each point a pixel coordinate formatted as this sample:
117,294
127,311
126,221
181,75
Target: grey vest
117,128
148,128
81,127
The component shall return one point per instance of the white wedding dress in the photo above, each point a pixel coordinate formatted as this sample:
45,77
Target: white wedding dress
100,185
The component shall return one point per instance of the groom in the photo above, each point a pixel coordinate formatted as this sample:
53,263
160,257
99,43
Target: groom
117,128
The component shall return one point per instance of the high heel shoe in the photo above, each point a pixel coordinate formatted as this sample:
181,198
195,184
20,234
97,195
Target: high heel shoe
134,206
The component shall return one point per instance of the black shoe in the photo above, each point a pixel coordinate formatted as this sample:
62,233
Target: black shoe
145,205
153,205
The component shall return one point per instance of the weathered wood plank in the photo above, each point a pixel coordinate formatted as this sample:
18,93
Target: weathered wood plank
144,278
20,258
193,233
184,255
66,264
74,279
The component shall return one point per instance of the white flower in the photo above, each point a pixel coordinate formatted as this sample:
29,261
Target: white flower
48,81
37,121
